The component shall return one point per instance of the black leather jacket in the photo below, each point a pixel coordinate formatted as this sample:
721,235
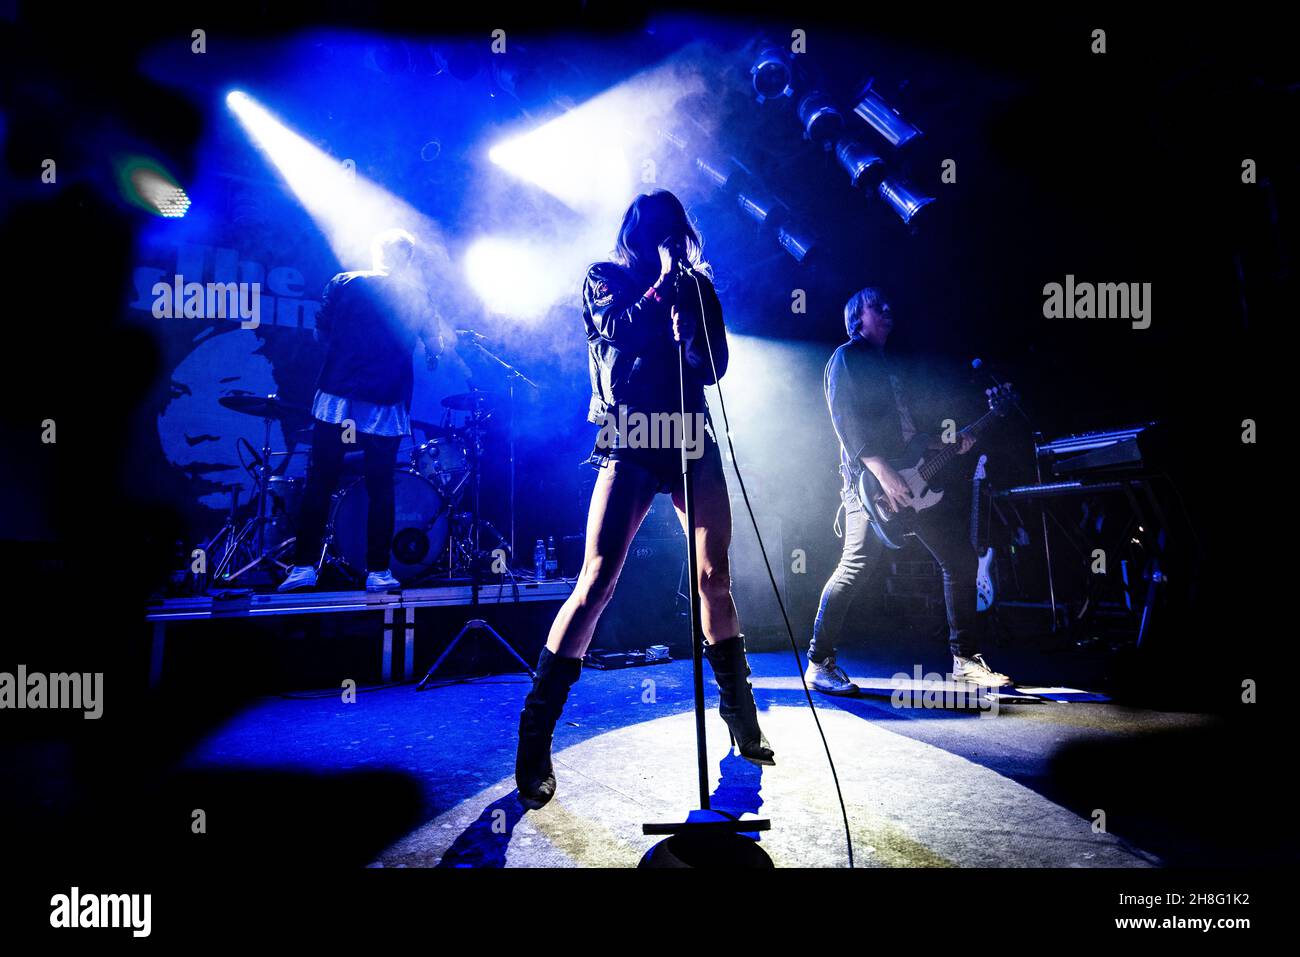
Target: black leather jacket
369,324
631,354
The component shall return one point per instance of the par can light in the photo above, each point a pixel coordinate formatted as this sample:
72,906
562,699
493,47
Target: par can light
884,119
771,74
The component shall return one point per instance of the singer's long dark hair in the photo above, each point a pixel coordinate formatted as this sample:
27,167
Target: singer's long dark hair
652,218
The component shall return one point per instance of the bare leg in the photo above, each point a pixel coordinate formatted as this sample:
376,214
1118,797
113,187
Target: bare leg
619,503
724,648
712,540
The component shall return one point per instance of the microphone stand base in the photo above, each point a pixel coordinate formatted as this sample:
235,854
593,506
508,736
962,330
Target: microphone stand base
708,839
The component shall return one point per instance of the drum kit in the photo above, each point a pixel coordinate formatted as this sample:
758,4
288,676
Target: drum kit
438,531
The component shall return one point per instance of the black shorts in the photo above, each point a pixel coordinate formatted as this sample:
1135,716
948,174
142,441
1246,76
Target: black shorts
664,464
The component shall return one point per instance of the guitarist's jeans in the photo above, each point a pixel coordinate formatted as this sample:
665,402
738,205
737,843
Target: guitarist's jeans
947,540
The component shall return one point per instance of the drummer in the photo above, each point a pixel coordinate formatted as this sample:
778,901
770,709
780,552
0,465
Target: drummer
369,323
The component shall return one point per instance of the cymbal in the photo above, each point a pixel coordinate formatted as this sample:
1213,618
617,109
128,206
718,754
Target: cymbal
470,401
264,407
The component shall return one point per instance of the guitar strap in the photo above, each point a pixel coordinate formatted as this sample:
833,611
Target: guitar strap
906,425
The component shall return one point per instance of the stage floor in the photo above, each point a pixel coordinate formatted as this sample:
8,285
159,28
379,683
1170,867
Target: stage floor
1048,783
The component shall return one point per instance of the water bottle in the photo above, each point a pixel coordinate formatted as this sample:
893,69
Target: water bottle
539,559
552,565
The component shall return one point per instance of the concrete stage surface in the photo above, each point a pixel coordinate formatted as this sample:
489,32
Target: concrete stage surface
1041,783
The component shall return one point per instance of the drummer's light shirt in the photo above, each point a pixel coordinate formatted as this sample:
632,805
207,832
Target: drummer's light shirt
369,418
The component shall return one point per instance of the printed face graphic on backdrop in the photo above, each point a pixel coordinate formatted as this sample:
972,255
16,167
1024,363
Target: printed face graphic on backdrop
199,435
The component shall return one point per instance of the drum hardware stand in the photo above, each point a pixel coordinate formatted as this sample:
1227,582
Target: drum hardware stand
256,526
474,624
513,375
226,534
329,552
706,835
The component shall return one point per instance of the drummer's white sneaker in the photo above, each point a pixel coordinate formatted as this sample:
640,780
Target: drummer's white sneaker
381,581
300,576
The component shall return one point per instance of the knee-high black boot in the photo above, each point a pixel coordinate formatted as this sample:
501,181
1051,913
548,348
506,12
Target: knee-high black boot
534,775
736,704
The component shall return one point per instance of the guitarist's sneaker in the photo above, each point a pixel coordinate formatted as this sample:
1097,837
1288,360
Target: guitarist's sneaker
828,677
300,576
976,670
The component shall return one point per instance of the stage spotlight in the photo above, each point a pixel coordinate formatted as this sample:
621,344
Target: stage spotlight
864,167
867,172
821,119
901,199
884,119
762,209
149,186
168,199
674,138
348,208
771,73
717,171
795,244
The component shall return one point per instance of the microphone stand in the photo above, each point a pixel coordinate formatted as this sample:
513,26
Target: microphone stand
479,624
707,837
513,375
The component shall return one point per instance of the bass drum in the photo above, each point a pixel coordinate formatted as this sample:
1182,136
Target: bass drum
419,529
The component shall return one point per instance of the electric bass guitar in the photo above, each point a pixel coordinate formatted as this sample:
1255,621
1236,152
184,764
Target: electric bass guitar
922,469
983,573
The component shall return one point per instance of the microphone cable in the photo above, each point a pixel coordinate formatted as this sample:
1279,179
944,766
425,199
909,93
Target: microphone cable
762,550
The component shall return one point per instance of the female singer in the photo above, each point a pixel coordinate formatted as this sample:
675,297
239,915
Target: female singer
636,309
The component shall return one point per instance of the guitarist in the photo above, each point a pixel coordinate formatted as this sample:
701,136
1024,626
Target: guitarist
872,419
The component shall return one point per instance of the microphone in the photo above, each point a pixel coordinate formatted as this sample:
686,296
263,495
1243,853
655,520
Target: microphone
471,334
681,265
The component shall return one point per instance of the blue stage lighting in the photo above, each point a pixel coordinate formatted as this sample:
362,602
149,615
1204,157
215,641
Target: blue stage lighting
515,278
578,158
349,209
596,156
